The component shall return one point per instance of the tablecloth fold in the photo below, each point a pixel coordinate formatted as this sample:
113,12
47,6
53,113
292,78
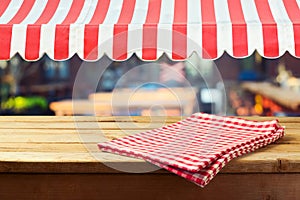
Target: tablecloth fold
198,147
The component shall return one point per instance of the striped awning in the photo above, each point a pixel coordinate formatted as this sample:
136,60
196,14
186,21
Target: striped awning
149,28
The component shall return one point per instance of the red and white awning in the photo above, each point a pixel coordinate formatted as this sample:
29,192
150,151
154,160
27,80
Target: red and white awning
149,28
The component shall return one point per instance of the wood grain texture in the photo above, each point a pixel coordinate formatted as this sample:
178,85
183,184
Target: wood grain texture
57,158
62,141
148,186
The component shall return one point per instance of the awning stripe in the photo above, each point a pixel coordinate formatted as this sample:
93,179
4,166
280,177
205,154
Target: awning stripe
5,41
294,15
91,30
46,38
164,28
18,40
224,27
179,40
35,12
135,28
3,6
149,47
254,27
23,11
86,13
121,30
118,28
74,12
10,11
209,29
61,12
194,31
61,45
284,26
62,32
239,29
48,12
32,47
33,32
269,27
91,33
100,12
167,12
140,12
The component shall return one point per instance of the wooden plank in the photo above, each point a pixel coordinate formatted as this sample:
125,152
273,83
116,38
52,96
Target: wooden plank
45,132
85,146
62,139
255,162
284,148
33,130
169,119
80,125
96,125
268,162
69,135
61,136
67,157
143,119
148,186
42,147
88,138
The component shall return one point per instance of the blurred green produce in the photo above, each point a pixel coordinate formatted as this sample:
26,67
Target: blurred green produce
21,104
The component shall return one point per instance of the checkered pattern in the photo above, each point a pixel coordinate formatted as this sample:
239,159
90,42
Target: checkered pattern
198,147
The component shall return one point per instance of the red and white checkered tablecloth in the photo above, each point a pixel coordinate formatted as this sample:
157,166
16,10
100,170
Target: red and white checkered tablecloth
198,147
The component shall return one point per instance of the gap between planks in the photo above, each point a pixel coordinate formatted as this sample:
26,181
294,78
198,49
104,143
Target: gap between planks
170,119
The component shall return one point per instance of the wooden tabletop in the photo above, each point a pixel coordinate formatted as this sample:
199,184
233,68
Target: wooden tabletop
67,144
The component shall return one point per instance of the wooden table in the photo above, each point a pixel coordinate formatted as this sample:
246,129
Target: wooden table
121,101
81,107
57,158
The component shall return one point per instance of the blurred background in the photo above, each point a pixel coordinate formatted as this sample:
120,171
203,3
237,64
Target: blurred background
241,87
